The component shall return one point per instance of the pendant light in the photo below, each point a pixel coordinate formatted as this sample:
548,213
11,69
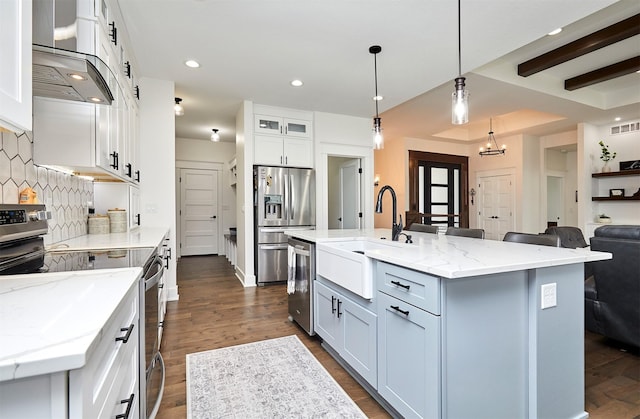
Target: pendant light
490,151
460,97
177,108
378,139
215,137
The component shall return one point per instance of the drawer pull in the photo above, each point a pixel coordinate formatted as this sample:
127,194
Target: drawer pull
396,308
401,285
339,312
333,302
126,337
129,403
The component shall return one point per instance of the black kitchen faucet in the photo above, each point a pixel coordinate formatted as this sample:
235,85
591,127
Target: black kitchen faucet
396,228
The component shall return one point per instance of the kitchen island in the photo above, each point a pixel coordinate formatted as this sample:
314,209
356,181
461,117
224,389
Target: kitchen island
461,327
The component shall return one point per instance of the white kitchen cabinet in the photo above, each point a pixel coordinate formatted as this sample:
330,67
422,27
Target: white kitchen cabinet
349,327
282,151
283,137
163,292
75,135
105,387
111,373
275,125
15,56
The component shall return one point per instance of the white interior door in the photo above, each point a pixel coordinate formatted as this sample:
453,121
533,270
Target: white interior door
350,194
496,206
555,200
199,220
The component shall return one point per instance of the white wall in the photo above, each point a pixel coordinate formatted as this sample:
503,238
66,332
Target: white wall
530,178
342,136
626,147
244,199
157,163
511,162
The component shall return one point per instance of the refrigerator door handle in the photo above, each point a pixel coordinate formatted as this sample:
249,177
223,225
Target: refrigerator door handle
291,197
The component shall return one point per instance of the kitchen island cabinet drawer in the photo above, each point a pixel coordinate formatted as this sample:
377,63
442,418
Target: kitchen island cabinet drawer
416,288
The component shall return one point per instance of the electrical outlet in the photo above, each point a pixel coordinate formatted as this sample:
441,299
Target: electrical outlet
548,295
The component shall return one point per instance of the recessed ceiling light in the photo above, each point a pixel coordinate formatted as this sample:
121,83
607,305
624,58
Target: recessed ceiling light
555,31
76,76
296,83
95,99
617,118
192,63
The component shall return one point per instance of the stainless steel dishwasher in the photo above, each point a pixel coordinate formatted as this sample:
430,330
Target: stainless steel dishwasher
302,263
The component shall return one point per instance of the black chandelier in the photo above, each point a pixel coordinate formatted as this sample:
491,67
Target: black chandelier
490,151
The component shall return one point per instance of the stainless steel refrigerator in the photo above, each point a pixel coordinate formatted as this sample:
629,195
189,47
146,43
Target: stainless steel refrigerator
284,199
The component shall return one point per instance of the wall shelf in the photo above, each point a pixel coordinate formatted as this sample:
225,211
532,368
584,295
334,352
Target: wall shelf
634,172
616,198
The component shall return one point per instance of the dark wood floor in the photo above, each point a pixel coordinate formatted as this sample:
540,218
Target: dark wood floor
215,311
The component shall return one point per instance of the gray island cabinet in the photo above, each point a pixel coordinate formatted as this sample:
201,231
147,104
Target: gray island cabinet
464,328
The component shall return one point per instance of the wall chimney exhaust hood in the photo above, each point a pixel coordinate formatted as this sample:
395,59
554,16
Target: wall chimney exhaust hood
69,75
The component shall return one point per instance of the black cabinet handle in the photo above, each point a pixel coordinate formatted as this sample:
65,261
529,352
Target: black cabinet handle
401,285
126,337
137,175
339,312
127,69
137,92
161,324
333,301
396,308
138,219
129,403
114,165
114,33
128,166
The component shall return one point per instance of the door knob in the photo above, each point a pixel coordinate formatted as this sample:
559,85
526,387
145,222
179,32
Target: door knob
213,216
340,219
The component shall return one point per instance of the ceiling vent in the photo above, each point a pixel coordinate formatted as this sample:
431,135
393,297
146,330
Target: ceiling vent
625,128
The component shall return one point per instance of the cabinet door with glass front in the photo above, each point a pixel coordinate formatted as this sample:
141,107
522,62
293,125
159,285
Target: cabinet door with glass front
274,125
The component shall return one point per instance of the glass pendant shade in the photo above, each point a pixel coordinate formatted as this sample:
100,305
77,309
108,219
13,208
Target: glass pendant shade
378,138
460,103
215,137
177,108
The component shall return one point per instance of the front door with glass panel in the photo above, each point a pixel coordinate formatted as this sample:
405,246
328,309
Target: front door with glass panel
439,193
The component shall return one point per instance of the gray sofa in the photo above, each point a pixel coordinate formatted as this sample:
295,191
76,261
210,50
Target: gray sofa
612,294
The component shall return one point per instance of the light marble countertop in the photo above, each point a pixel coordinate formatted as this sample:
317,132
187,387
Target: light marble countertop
139,237
51,322
453,256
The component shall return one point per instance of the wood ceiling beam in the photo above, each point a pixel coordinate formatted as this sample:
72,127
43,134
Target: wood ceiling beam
600,39
603,74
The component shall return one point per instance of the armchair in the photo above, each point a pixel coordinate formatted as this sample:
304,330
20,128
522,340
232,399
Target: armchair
612,294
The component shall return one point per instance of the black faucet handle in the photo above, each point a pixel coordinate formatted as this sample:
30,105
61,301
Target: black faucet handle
400,224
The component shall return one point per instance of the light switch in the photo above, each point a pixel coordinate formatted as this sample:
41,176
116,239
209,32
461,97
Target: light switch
548,295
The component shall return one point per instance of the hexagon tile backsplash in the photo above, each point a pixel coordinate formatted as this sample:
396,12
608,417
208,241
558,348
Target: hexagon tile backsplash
66,196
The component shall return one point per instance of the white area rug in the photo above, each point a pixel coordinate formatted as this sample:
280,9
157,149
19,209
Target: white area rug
275,378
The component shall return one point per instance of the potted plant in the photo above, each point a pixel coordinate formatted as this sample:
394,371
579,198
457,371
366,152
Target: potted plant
604,219
605,156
